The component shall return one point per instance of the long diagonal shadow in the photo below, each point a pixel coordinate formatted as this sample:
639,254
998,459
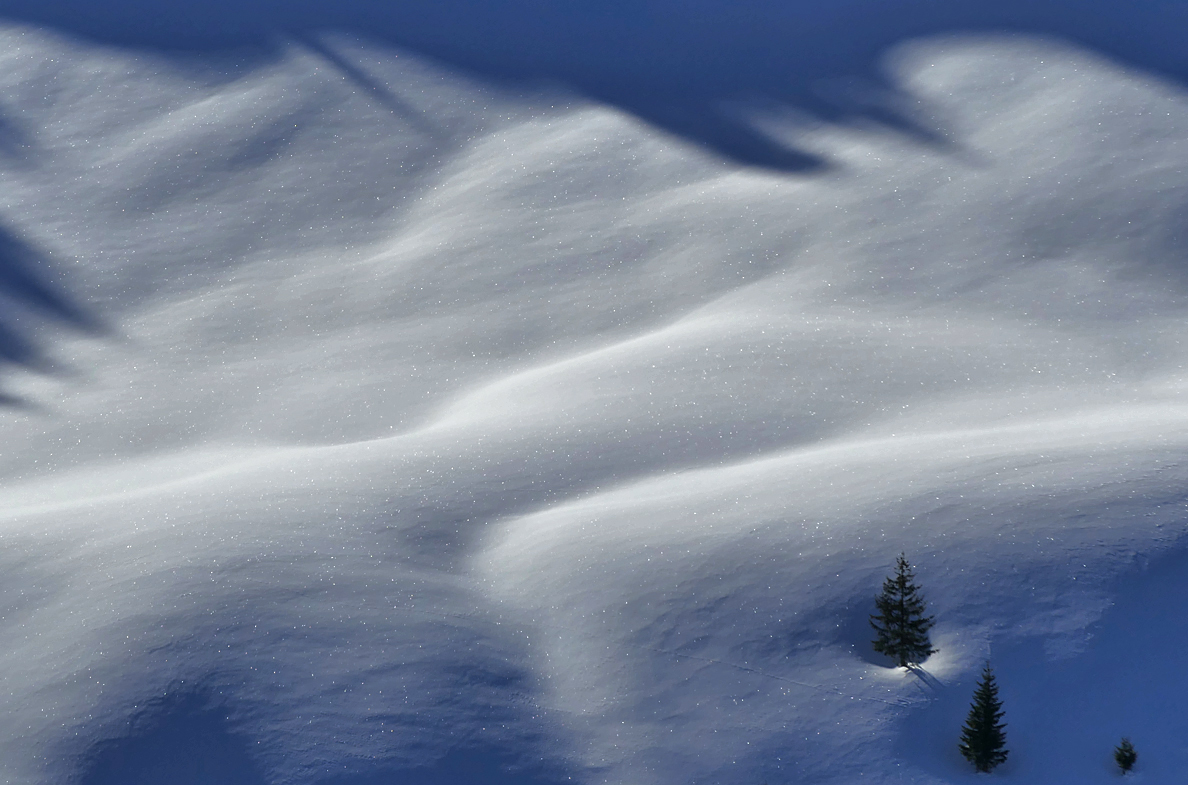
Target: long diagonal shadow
671,62
26,296
378,92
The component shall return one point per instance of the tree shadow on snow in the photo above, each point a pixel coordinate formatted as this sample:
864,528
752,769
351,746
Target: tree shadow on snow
675,63
28,298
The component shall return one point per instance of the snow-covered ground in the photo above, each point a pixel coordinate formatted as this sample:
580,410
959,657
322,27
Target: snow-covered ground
366,422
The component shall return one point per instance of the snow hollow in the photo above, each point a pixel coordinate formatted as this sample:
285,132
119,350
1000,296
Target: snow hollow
366,422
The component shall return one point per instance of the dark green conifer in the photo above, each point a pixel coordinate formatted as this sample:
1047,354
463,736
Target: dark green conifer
983,739
900,623
1125,755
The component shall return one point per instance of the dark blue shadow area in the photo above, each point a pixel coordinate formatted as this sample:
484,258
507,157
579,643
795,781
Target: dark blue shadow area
25,283
476,766
188,739
180,741
1065,712
671,62
22,280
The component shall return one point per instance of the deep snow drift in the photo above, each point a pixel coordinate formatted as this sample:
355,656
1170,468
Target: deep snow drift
417,428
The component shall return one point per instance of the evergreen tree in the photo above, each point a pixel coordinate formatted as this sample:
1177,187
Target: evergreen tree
900,623
1125,755
983,739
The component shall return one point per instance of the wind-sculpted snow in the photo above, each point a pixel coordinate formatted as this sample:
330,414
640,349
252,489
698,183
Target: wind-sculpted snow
445,433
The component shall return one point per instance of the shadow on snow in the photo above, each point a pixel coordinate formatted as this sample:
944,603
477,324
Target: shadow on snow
1066,709
675,63
189,739
28,297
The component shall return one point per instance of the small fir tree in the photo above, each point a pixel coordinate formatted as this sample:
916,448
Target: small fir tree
1125,755
900,623
983,739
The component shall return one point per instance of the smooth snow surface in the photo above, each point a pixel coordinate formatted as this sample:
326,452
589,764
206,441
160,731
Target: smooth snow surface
413,429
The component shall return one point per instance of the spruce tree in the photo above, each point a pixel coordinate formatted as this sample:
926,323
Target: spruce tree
900,623
1125,755
983,740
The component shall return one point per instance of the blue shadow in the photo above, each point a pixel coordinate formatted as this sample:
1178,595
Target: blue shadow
475,766
189,739
26,281
670,62
180,741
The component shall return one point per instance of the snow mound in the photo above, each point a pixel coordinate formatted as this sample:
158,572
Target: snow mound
412,426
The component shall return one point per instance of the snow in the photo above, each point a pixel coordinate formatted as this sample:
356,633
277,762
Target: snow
377,421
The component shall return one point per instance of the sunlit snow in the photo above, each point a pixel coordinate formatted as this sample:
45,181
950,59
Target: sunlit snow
364,434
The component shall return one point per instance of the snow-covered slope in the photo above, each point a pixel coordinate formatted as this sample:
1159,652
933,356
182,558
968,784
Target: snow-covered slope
374,424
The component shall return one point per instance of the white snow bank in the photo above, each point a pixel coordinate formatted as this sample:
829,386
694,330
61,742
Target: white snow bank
455,419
